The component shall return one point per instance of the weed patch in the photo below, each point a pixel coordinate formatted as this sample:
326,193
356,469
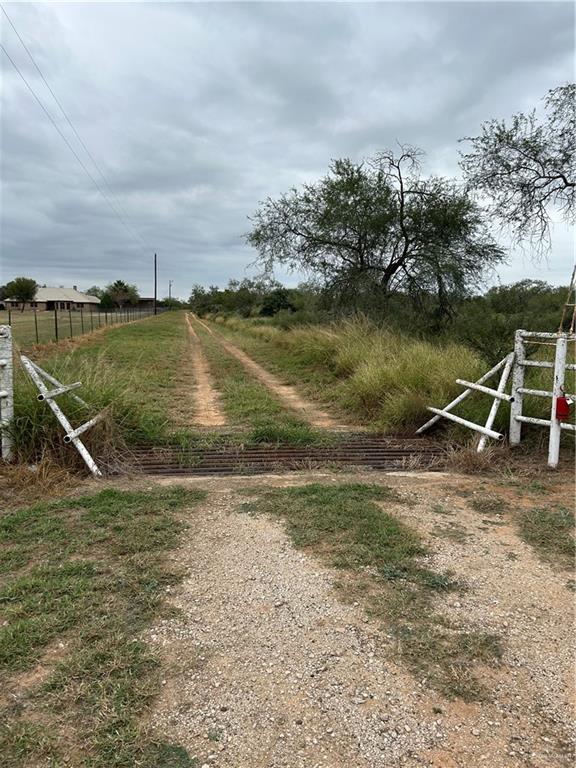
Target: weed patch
87,574
550,531
350,526
489,504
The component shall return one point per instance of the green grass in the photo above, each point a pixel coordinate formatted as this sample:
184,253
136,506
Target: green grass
70,324
550,531
86,575
489,504
249,404
128,370
354,527
375,377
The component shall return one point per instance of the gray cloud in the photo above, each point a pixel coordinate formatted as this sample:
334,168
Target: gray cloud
198,111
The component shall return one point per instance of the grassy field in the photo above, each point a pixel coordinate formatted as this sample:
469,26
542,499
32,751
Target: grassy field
29,329
382,379
129,370
80,579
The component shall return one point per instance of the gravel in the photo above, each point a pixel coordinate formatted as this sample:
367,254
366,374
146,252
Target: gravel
269,668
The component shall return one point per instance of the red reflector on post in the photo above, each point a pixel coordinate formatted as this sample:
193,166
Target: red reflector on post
562,408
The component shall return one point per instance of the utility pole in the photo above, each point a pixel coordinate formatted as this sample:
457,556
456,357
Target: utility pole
155,281
170,288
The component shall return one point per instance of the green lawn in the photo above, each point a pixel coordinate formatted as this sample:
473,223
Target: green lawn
80,579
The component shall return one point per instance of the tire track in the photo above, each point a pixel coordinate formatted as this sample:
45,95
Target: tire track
208,411
284,392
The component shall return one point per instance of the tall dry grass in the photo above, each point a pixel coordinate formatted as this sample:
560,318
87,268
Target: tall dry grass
386,378
38,436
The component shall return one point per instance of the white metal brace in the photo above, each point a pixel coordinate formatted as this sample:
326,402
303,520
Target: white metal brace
38,375
478,386
6,390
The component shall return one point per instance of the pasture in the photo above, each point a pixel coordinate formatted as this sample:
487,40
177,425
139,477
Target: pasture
44,327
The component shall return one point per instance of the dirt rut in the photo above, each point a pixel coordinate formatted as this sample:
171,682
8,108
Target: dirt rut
284,392
208,411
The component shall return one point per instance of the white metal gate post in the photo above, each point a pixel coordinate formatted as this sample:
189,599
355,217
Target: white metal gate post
557,391
515,429
6,390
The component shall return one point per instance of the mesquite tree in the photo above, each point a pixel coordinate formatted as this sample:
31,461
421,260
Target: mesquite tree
379,227
527,167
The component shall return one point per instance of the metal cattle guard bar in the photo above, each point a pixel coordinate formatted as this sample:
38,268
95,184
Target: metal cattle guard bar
39,376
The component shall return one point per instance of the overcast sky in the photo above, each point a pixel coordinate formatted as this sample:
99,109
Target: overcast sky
197,111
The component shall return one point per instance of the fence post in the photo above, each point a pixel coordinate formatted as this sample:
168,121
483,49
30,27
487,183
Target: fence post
9,315
515,429
56,321
70,321
557,391
36,325
6,390
91,319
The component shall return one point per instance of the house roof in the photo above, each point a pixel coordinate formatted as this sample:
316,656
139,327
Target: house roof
63,294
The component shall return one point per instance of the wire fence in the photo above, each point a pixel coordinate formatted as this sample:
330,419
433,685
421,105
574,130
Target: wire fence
44,326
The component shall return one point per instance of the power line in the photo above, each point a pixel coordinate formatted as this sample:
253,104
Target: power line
72,126
65,140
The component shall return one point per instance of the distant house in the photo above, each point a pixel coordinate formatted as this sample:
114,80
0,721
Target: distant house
145,302
57,298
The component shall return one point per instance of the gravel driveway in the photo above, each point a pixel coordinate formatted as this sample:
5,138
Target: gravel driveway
268,667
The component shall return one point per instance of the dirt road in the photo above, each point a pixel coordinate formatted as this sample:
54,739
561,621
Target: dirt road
208,410
268,667
287,394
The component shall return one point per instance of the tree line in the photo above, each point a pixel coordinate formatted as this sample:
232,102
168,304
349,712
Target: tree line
484,321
